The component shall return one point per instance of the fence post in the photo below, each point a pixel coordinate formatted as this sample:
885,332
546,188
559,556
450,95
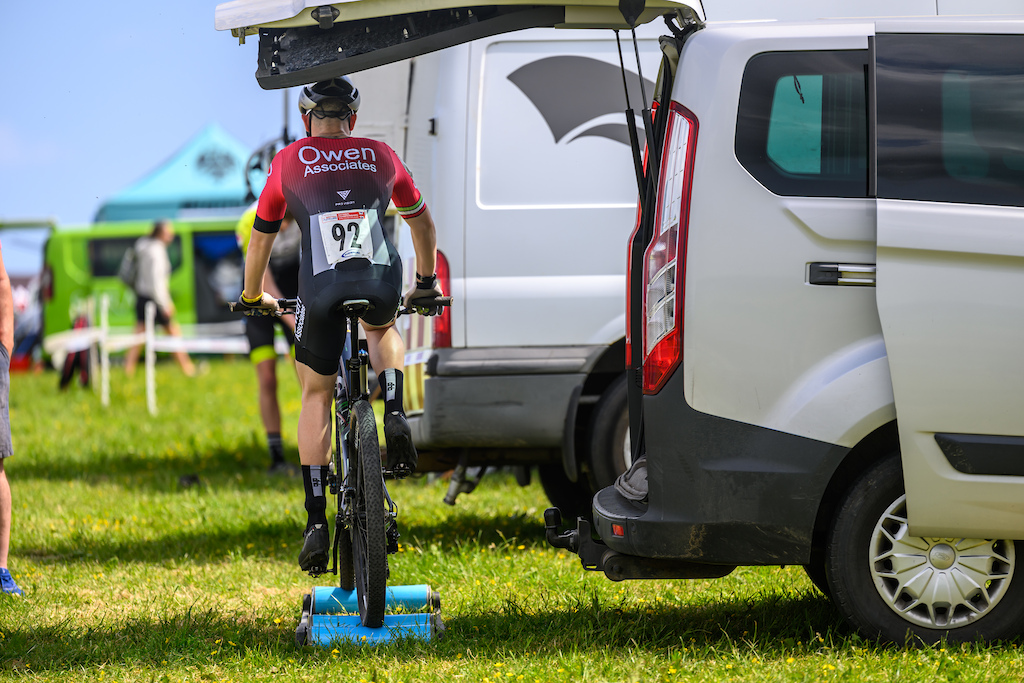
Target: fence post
90,312
104,351
151,357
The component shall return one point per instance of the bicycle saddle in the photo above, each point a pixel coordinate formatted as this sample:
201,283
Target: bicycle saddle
356,307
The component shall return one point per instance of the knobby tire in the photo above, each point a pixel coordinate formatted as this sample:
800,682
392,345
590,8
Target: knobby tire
369,544
342,536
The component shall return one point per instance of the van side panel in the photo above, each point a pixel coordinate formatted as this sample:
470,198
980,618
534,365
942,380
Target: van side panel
760,340
721,492
552,196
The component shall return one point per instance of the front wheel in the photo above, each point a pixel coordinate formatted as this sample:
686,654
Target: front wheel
369,545
895,586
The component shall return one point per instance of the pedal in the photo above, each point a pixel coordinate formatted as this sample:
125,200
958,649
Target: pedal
317,572
401,471
392,536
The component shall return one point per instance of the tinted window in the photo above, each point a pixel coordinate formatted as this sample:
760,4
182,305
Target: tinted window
951,118
802,124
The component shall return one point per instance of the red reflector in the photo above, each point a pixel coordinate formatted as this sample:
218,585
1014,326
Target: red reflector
443,322
618,530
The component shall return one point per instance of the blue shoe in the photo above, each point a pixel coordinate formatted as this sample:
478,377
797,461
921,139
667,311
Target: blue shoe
7,584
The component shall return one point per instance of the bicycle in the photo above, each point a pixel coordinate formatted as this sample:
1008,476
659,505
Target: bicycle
357,476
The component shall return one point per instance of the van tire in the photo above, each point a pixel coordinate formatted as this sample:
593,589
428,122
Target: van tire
872,512
608,436
573,498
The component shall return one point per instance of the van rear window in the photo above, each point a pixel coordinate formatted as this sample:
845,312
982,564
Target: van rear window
951,118
802,122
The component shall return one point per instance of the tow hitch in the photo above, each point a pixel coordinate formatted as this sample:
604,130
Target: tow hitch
595,556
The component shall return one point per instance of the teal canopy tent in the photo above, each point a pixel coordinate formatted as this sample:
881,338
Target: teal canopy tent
207,176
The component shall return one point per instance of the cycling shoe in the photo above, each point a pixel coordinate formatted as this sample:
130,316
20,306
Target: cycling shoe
313,557
7,584
402,456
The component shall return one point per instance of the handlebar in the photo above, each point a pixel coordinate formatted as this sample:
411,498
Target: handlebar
286,306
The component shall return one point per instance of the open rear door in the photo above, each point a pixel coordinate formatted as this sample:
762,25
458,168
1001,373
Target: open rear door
302,41
950,286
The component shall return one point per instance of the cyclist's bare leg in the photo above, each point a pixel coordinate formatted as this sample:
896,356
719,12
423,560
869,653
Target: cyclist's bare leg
270,409
386,346
315,454
387,355
315,415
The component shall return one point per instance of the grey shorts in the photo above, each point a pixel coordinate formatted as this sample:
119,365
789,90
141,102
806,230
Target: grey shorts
6,449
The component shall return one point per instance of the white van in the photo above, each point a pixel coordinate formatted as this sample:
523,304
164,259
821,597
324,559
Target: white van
824,307
519,144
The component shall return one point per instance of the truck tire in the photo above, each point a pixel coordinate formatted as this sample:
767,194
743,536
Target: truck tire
609,453
898,587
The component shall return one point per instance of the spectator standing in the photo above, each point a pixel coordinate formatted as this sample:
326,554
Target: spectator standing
7,584
153,283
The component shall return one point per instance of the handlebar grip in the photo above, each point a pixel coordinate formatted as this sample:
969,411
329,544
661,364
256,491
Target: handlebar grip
433,301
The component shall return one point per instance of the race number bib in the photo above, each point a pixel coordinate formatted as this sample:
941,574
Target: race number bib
347,234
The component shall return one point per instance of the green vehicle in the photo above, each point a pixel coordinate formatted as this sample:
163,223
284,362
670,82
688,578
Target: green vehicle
82,262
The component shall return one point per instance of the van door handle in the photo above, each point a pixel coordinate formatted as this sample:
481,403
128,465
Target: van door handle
847,274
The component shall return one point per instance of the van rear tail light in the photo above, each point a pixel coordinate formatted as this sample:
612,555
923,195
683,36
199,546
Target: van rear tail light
665,257
442,323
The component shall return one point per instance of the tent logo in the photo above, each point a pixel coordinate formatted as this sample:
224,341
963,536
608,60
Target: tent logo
571,92
216,163
344,193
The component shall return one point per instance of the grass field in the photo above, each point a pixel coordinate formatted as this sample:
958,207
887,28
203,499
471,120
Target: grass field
134,572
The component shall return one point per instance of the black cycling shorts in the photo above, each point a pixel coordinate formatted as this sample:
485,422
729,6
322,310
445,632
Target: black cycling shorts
259,330
320,326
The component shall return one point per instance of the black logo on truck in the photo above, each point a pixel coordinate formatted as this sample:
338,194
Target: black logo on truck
570,91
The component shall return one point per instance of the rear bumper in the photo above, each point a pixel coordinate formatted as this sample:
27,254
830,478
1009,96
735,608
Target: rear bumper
500,397
721,492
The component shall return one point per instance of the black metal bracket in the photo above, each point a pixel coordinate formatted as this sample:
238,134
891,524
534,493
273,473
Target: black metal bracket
598,557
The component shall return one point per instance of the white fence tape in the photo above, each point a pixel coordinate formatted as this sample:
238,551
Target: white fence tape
104,340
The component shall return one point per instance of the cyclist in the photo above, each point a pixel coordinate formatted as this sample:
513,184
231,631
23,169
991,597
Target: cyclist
282,281
338,187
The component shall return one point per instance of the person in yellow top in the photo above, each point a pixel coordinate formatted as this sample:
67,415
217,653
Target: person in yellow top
282,282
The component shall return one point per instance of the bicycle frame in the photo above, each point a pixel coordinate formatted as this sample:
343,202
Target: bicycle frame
350,387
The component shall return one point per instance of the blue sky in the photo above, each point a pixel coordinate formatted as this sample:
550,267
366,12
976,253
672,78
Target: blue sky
99,94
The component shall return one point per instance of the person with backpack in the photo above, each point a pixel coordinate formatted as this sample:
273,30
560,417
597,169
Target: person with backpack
151,282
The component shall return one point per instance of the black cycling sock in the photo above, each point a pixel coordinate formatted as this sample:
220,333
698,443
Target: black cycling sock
276,447
391,386
314,481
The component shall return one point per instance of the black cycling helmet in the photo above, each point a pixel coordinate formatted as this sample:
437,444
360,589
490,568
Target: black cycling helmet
339,88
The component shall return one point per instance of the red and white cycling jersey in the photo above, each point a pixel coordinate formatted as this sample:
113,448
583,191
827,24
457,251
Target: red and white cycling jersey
338,190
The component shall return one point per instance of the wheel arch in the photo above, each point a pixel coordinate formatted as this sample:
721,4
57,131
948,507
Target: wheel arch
872,448
604,369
